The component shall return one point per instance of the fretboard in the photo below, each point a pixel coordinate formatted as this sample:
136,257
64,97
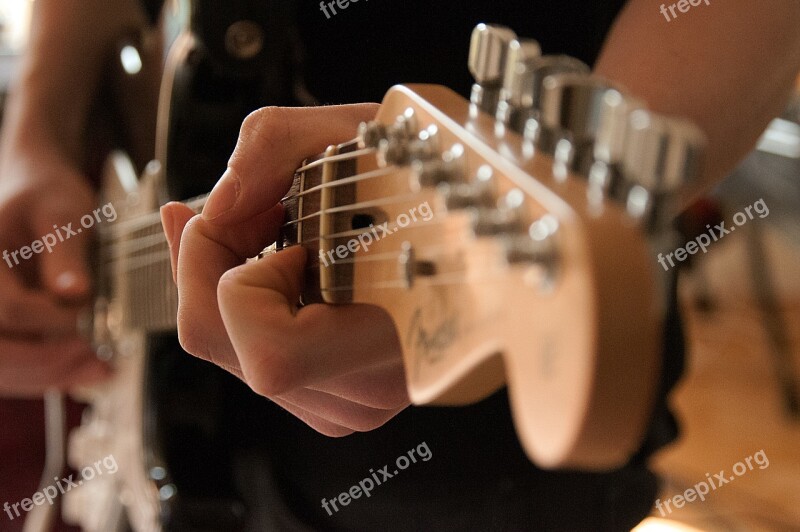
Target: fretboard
136,275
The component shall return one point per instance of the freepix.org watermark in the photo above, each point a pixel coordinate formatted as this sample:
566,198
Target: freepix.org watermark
713,235
330,7
704,487
366,239
61,234
682,6
50,493
365,486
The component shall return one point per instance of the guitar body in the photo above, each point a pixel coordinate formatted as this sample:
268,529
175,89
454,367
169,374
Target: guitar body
166,416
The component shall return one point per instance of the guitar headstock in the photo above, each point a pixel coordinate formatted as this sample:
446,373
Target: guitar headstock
509,238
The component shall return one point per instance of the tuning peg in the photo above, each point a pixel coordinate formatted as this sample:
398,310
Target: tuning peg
571,105
394,148
537,247
661,155
480,193
448,168
525,85
507,219
487,61
540,69
605,175
370,134
516,102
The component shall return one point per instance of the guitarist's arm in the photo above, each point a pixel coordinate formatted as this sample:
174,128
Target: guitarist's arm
42,184
728,66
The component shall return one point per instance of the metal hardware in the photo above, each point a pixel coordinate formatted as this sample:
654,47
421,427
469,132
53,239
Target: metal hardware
244,39
482,192
487,62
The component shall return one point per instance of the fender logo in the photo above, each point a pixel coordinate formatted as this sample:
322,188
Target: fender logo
429,344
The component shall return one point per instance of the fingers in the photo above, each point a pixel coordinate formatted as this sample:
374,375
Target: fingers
382,387
272,143
205,252
174,217
317,423
25,311
63,263
28,368
341,412
281,349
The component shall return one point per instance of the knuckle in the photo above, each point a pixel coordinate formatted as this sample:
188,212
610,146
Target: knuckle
394,400
191,336
329,430
267,126
270,372
369,420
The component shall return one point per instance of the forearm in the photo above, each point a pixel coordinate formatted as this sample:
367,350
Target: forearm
61,71
728,66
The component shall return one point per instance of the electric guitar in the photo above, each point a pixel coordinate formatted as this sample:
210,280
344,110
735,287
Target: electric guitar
509,237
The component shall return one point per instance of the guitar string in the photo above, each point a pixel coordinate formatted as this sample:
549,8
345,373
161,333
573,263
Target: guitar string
335,158
135,244
457,277
153,222
153,219
114,254
371,174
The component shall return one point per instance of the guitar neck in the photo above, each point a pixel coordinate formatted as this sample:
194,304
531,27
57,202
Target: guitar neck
136,274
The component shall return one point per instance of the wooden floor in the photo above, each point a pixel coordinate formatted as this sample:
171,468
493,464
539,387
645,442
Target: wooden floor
730,403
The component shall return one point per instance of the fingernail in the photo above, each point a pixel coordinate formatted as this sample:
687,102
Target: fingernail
66,280
71,284
224,196
168,223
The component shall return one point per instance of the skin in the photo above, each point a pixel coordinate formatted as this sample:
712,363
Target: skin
42,184
728,67
322,363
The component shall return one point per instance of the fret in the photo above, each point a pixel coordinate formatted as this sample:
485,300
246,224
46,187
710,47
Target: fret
138,283
305,218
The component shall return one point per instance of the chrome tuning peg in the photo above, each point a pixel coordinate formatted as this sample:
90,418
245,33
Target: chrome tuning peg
450,167
605,175
370,134
539,70
487,62
394,146
506,219
571,105
516,102
661,156
479,193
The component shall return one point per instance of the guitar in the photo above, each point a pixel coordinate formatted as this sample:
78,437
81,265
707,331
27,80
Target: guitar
509,237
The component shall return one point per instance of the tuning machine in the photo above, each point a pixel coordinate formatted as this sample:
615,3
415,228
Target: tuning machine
481,192
524,83
487,62
400,142
605,175
433,170
571,105
661,155
516,98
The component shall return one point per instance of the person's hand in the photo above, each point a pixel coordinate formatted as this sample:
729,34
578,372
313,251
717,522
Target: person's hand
339,369
41,296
